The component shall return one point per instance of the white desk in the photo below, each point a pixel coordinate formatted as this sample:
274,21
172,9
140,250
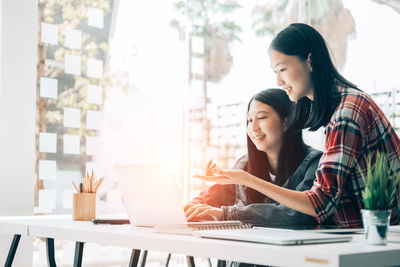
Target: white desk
354,253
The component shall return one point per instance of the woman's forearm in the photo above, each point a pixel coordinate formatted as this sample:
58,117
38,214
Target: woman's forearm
296,200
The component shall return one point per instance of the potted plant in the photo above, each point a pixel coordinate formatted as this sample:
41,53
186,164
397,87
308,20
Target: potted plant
380,191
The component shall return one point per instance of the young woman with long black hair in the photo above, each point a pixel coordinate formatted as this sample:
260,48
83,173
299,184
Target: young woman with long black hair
277,154
354,128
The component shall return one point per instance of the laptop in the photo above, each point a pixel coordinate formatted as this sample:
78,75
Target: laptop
273,236
328,229
152,199
149,195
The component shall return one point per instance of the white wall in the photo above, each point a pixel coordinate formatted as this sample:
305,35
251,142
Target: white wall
17,116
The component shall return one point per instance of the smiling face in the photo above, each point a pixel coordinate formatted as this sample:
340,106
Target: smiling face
292,74
264,127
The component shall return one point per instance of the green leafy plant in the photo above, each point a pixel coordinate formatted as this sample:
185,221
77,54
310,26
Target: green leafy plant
380,183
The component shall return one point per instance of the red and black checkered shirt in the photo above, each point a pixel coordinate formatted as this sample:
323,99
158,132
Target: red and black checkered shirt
357,128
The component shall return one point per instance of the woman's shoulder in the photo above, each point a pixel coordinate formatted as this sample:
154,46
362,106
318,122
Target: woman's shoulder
353,105
350,93
311,155
305,172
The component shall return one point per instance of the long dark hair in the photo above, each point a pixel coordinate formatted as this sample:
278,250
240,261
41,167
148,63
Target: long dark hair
293,148
300,40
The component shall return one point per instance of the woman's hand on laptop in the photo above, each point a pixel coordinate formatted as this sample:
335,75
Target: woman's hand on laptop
202,212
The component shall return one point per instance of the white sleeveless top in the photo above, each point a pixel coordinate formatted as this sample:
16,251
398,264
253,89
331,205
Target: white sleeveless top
273,177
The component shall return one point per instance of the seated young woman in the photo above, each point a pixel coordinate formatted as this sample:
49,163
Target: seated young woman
275,153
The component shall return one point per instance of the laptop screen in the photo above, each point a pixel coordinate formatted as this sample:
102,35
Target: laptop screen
150,194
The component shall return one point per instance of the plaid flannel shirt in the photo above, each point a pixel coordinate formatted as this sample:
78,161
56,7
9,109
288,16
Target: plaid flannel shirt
357,128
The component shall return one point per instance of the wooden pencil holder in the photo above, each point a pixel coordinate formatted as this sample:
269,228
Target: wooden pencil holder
84,207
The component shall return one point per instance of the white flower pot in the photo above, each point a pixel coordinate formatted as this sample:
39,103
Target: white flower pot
376,226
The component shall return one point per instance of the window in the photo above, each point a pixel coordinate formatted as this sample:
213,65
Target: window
72,79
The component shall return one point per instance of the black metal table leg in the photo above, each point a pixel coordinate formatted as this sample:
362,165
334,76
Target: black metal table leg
144,258
78,254
50,252
12,251
190,261
133,262
168,259
221,263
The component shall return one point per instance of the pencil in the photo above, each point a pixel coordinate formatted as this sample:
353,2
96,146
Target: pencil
91,183
75,186
95,183
88,182
98,184
84,185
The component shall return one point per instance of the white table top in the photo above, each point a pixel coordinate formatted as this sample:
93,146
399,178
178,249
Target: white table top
13,225
354,253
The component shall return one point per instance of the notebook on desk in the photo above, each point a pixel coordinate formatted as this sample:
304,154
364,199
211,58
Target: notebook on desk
394,229
273,236
152,199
